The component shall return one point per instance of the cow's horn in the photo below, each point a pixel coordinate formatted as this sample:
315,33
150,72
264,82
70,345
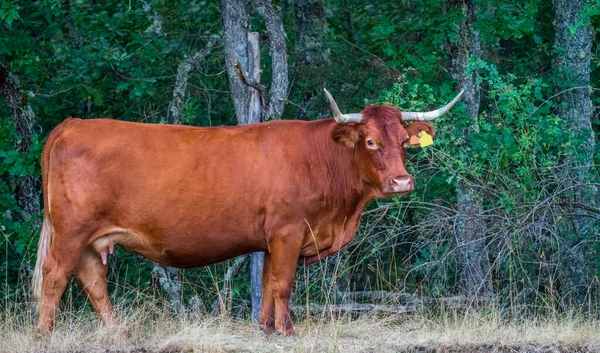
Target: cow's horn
337,114
423,116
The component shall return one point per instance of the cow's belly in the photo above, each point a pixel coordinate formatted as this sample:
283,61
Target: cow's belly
175,250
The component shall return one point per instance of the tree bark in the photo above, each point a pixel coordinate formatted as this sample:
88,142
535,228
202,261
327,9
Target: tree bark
257,261
254,116
311,29
252,103
235,27
572,59
27,188
219,305
168,278
313,59
278,51
470,230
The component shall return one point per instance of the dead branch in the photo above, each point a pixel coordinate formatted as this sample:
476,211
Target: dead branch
379,296
457,302
218,305
248,81
157,22
168,278
183,70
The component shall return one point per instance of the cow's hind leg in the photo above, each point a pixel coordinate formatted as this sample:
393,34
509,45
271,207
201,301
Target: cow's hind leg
285,251
91,274
57,269
267,311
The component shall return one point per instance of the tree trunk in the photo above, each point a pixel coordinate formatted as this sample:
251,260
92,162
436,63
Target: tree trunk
311,29
257,261
27,192
278,51
470,227
254,110
313,59
219,306
254,114
235,27
252,103
168,278
572,59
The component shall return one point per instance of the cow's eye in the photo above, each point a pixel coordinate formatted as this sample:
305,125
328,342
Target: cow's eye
370,143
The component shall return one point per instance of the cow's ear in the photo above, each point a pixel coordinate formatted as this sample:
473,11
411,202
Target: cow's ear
417,128
346,134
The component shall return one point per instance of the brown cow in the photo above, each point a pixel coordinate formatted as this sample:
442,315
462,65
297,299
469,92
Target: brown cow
187,196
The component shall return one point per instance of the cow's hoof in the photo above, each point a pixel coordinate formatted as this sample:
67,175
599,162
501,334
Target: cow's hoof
122,333
267,330
43,331
288,332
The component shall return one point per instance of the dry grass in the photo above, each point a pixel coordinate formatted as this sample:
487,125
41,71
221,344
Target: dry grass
155,330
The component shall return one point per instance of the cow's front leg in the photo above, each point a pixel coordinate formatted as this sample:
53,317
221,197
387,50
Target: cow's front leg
267,312
284,253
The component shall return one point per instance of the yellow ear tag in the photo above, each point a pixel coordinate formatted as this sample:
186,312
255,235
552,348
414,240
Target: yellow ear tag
425,139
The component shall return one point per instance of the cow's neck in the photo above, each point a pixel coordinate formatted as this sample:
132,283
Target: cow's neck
341,170
347,190
345,197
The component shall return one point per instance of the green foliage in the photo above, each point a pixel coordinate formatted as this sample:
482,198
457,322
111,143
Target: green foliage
17,241
506,20
9,12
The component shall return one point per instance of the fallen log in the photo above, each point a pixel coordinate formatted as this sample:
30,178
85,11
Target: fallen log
415,303
378,296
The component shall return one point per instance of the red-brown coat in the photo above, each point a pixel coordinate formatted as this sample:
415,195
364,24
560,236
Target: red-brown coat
187,196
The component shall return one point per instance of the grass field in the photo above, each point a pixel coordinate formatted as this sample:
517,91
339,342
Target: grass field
151,329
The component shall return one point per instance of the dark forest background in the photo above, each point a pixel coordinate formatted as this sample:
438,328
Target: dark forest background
506,207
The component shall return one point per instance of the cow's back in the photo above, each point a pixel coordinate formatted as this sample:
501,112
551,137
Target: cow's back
181,195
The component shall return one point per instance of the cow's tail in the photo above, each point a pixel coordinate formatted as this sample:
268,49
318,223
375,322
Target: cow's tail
42,253
47,232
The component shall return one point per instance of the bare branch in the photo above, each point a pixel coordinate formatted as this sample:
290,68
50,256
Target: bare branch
168,278
156,26
248,81
185,67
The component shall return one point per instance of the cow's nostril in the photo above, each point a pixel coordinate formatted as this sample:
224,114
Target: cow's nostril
402,183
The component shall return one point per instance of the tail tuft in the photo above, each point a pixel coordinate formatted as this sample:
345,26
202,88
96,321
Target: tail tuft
42,253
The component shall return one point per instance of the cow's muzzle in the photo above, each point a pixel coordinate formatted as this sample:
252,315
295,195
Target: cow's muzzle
400,184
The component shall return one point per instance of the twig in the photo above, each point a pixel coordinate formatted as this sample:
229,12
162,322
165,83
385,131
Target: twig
262,91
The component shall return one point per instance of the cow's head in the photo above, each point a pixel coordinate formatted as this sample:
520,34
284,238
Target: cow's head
379,136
